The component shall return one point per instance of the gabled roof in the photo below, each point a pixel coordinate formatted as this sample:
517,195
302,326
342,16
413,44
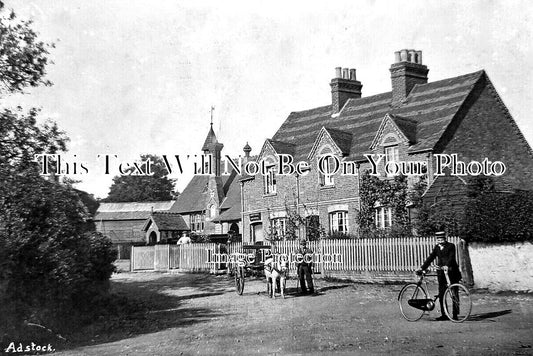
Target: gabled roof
342,139
166,221
131,210
196,194
432,106
282,147
405,127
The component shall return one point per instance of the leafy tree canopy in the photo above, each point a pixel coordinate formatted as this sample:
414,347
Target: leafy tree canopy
156,187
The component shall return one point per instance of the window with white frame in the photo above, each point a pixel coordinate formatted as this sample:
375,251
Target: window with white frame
327,165
392,155
383,217
270,181
212,211
278,226
338,221
197,222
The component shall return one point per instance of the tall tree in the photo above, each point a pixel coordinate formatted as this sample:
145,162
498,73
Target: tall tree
155,187
49,264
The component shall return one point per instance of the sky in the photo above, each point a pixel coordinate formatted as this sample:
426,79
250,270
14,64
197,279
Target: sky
136,77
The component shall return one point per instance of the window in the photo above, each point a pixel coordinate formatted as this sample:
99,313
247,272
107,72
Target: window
278,226
270,181
391,155
383,217
338,222
327,165
197,222
212,211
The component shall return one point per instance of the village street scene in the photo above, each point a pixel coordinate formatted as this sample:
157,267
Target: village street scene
200,179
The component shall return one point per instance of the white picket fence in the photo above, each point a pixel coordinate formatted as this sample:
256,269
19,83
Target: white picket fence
351,255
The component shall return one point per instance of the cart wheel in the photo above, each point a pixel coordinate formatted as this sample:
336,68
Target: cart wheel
239,281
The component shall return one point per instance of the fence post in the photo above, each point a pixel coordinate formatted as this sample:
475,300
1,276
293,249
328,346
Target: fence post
466,264
168,256
132,258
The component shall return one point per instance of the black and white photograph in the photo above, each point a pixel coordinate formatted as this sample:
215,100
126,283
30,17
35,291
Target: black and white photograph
266,178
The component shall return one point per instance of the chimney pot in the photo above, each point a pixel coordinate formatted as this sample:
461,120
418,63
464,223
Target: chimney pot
413,56
352,74
403,55
345,74
419,55
338,72
397,58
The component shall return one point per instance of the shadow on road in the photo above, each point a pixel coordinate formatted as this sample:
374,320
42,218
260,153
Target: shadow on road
483,316
150,305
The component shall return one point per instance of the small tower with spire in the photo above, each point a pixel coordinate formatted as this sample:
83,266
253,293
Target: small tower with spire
247,149
213,147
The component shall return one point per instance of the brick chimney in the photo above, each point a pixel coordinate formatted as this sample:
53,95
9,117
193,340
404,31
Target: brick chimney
406,71
343,87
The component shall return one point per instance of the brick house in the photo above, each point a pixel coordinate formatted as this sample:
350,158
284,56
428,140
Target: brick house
211,203
413,122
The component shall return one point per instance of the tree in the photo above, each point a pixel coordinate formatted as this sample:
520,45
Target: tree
128,188
23,58
50,265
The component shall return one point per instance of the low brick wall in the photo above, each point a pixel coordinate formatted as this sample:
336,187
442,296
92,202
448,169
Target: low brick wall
502,267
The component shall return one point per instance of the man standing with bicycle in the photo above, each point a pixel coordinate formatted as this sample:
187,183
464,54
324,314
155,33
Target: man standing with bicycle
444,251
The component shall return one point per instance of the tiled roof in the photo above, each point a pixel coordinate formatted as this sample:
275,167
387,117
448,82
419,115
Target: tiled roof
166,221
432,106
233,213
407,126
193,198
282,147
131,210
231,206
342,139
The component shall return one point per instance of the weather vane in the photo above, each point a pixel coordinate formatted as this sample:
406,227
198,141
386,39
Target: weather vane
212,109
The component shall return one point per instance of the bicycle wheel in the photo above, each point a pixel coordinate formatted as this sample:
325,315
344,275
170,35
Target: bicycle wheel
408,293
457,303
239,281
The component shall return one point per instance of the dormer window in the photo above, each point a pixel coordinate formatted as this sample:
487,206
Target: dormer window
391,155
327,165
269,181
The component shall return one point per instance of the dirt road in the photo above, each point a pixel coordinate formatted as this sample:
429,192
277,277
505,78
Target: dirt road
198,314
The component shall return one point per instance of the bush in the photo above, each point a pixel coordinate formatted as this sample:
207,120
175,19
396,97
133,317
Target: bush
499,217
337,235
51,268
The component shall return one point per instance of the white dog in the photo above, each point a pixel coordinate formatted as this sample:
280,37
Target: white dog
273,272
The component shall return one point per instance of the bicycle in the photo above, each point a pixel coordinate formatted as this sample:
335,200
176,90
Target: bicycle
414,302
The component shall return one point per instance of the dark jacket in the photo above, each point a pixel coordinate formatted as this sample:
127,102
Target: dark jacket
445,257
